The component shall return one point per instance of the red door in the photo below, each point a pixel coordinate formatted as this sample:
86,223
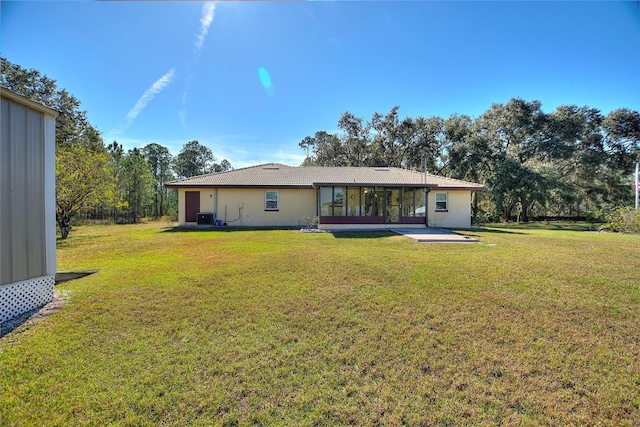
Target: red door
192,206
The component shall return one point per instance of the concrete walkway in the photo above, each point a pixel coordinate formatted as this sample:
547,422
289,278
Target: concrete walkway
434,235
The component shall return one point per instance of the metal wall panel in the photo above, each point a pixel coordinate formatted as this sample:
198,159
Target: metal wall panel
35,214
6,259
22,242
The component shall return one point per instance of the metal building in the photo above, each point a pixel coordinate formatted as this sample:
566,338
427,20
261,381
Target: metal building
27,205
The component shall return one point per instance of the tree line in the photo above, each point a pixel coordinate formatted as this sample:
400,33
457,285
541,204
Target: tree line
98,181
573,162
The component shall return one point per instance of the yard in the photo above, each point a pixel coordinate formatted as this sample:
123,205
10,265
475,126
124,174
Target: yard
535,326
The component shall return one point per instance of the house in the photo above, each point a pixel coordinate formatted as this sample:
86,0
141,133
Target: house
342,198
27,205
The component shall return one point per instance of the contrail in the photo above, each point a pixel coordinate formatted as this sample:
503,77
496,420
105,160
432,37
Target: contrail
205,21
148,95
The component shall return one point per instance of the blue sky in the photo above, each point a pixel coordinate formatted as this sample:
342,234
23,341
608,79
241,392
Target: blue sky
251,79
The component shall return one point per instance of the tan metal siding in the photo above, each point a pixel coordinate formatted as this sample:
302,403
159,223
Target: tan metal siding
22,212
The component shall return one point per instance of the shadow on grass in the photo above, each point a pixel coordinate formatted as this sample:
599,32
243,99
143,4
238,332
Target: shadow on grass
77,237
223,229
65,276
551,226
362,234
467,232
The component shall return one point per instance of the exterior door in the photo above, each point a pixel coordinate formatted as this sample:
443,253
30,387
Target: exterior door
392,208
192,206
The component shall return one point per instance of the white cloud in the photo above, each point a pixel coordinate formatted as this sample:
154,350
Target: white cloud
205,21
242,153
148,95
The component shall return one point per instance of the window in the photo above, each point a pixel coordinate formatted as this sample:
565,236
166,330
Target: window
441,202
270,200
373,201
421,202
338,201
353,201
326,201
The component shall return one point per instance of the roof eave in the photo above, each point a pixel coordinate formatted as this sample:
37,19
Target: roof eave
181,185
374,184
448,187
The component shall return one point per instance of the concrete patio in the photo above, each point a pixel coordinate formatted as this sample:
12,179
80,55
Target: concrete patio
434,235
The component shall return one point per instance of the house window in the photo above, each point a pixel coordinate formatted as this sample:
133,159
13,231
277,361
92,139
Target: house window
421,202
353,201
339,208
441,202
271,201
326,201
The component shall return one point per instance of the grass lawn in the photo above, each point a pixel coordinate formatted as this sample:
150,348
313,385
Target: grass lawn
535,326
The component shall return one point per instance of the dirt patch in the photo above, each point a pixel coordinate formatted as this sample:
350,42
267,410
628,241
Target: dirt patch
25,321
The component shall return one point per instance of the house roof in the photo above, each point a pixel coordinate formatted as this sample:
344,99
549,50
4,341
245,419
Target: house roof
275,175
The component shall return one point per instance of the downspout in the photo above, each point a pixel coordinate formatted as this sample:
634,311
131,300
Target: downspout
317,204
426,207
215,203
426,197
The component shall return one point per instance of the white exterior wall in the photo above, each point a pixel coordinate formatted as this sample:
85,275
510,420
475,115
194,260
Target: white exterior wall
458,214
246,207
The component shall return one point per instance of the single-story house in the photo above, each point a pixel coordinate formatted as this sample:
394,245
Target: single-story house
341,197
28,204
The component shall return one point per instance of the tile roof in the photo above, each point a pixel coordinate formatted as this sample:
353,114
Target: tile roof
283,176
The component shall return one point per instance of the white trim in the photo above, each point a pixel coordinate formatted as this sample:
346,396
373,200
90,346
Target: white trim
446,201
50,192
6,93
266,208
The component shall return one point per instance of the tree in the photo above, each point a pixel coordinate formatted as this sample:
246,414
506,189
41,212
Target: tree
426,141
138,183
327,150
622,137
71,121
82,178
115,160
225,165
307,144
354,140
194,159
565,162
159,159
82,174
514,132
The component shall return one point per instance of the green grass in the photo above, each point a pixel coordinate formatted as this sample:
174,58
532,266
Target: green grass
531,327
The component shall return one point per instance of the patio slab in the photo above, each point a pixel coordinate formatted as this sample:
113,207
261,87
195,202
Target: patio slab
434,235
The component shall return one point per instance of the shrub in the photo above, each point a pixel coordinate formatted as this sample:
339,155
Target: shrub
312,221
623,220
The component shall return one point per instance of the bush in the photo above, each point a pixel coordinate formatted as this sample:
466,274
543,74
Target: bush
623,220
312,221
